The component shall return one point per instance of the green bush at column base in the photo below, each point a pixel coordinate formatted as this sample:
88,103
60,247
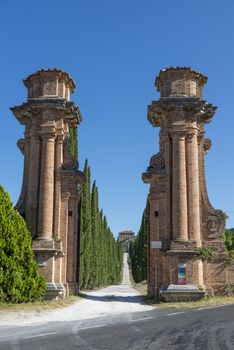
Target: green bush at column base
20,280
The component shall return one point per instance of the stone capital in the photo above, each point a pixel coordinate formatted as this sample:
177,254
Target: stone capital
191,133
48,136
60,138
179,135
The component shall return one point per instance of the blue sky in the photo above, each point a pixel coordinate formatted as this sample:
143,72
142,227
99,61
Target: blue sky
114,50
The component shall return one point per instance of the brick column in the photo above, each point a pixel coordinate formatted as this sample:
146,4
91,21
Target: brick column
166,145
193,187
57,194
34,160
45,229
179,192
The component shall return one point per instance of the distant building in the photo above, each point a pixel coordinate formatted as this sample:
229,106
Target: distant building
126,237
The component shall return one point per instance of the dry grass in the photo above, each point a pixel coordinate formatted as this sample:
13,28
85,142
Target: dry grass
39,305
140,287
210,301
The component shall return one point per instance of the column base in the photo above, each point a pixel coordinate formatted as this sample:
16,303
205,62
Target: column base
183,245
73,288
55,291
47,244
174,293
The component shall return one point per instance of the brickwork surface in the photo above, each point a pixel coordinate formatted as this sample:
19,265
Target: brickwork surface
179,211
49,197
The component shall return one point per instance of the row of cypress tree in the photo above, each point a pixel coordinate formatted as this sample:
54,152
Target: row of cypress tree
138,252
101,255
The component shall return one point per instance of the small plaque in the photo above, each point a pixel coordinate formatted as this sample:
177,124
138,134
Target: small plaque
41,263
156,244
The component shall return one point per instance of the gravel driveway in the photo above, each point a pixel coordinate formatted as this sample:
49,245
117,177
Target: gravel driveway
116,299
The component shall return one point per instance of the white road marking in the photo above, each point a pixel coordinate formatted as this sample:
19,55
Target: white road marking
141,319
40,335
176,313
211,307
91,327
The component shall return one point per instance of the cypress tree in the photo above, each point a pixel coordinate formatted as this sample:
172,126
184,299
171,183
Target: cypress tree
94,228
102,249
73,148
85,231
20,280
138,252
100,255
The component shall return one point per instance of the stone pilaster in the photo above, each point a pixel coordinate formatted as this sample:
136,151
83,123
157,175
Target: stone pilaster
64,234
179,185
45,227
193,187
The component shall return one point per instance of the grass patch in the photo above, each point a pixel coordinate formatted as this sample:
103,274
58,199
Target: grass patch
210,301
39,305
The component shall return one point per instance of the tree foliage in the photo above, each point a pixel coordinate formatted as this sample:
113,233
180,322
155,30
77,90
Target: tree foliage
100,255
73,148
20,280
229,241
138,252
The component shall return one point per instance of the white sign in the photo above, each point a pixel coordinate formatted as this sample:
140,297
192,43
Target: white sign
156,244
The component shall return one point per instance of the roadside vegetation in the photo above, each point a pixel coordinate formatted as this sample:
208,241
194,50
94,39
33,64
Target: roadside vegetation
208,301
229,242
20,280
38,306
138,252
101,256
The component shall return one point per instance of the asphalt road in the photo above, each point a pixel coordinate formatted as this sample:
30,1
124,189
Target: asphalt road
201,328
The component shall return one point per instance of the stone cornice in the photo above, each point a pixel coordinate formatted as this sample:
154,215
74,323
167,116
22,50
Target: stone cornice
67,109
193,108
54,71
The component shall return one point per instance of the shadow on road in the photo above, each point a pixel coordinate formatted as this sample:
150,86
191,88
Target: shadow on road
114,298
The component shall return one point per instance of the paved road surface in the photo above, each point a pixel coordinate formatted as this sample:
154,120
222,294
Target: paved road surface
201,329
116,319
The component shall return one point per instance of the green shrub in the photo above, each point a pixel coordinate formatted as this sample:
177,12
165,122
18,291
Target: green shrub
207,253
20,280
